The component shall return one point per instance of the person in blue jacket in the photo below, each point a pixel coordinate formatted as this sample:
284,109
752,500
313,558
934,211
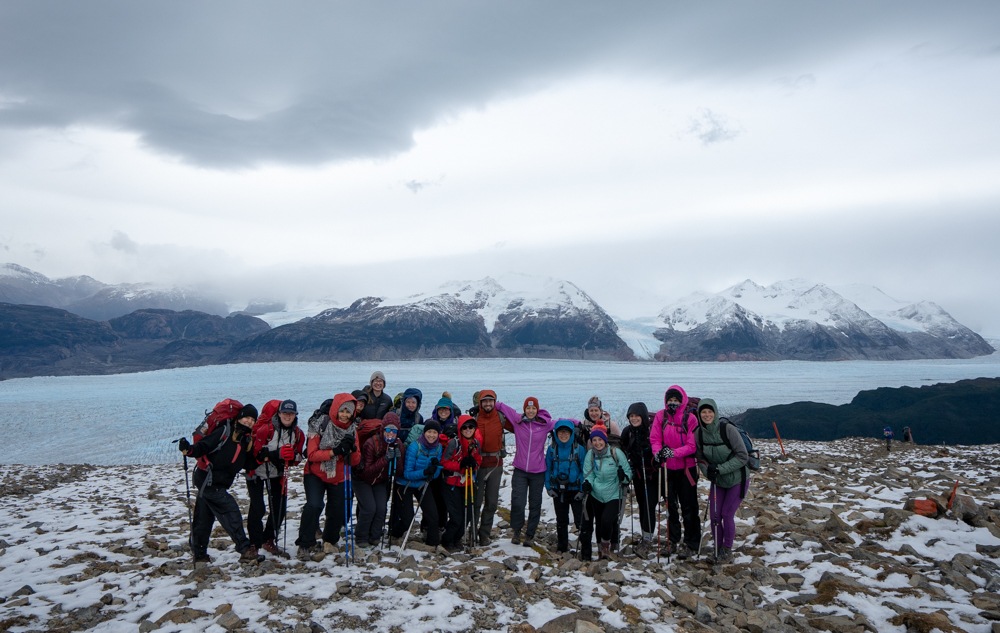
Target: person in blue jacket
423,464
564,479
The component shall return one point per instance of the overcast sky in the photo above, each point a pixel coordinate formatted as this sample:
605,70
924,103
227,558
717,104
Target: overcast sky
640,150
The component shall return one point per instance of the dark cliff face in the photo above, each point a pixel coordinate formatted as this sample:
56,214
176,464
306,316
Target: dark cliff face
554,333
964,412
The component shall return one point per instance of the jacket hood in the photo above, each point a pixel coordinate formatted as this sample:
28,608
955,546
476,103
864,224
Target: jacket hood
338,401
638,408
413,392
707,403
483,393
563,424
679,391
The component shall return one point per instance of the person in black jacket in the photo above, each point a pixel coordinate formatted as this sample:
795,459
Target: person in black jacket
635,443
377,402
229,450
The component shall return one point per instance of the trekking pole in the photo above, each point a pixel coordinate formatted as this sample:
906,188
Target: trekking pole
631,516
659,498
392,501
420,504
187,487
348,514
715,520
666,485
270,506
467,509
284,503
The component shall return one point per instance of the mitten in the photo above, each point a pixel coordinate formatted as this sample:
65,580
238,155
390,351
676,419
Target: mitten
183,445
287,453
468,462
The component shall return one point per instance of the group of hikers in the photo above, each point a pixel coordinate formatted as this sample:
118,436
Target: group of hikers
368,447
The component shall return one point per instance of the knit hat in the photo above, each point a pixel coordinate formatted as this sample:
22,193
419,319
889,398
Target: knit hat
375,375
594,402
288,406
599,431
672,393
475,399
432,424
391,420
348,405
360,394
532,400
248,411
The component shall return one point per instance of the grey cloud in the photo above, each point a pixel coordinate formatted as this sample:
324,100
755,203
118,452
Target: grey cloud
710,127
122,242
238,84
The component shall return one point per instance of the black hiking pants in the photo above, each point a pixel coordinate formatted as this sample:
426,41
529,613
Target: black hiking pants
215,502
645,497
319,492
562,503
682,492
603,516
261,531
459,514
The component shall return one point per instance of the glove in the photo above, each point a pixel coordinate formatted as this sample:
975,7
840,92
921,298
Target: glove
622,477
579,496
664,454
263,455
552,493
391,453
713,473
183,445
287,453
587,487
431,467
345,447
467,462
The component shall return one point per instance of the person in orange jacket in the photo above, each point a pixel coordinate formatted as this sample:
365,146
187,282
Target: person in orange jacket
331,449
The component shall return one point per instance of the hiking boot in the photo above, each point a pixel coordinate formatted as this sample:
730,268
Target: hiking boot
669,548
529,541
684,551
202,558
250,555
641,549
306,551
272,548
484,540
603,550
516,539
724,556
329,548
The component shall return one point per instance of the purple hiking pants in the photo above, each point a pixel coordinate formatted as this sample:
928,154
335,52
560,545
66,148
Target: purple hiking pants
723,504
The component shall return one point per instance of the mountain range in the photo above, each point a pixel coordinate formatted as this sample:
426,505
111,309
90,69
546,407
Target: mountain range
81,325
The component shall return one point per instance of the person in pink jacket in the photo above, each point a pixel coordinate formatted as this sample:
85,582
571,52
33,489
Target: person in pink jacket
672,438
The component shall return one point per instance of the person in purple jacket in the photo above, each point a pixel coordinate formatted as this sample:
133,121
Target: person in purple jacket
528,479
672,439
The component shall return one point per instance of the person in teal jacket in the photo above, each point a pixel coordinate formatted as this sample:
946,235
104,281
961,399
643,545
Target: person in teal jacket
606,474
726,468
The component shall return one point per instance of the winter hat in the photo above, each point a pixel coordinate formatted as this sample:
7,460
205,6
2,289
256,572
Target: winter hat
707,403
360,394
594,402
248,411
599,431
288,406
639,409
445,403
375,375
347,405
391,420
532,400
432,425
475,399
672,393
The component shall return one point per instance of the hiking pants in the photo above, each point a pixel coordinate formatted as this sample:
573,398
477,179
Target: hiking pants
372,505
645,497
488,498
525,486
722,506
215,502
403,513
562,503
459,515
603,516
684,493
318,491
261,531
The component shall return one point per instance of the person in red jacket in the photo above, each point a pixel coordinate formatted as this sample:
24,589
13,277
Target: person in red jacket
278,443
331,449
381,463
460,461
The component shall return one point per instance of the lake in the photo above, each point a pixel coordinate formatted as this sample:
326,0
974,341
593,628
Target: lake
131,418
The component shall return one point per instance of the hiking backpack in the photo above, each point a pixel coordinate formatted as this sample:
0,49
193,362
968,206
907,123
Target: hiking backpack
753,461
221,413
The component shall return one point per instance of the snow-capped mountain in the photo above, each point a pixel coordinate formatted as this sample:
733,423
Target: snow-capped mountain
801,320
20,285
541,318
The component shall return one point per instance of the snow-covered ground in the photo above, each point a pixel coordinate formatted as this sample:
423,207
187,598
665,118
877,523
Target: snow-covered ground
103,549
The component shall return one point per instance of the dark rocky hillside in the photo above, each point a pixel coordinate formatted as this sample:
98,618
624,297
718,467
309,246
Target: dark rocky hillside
964,412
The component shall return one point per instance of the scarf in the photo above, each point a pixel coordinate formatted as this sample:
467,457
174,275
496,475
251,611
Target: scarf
330,436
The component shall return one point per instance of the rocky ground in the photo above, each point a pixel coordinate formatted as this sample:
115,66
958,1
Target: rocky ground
824,544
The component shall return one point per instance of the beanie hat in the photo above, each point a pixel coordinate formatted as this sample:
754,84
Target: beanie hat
391,420
444,403
360,394
599,431
347,405
432,425
532,400
288,406
248,411
672,393
375,375
475,399
594,402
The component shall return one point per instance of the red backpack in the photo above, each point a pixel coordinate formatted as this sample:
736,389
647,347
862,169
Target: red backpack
221,413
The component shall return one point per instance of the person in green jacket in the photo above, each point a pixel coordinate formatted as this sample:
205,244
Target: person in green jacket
606,474
726,469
